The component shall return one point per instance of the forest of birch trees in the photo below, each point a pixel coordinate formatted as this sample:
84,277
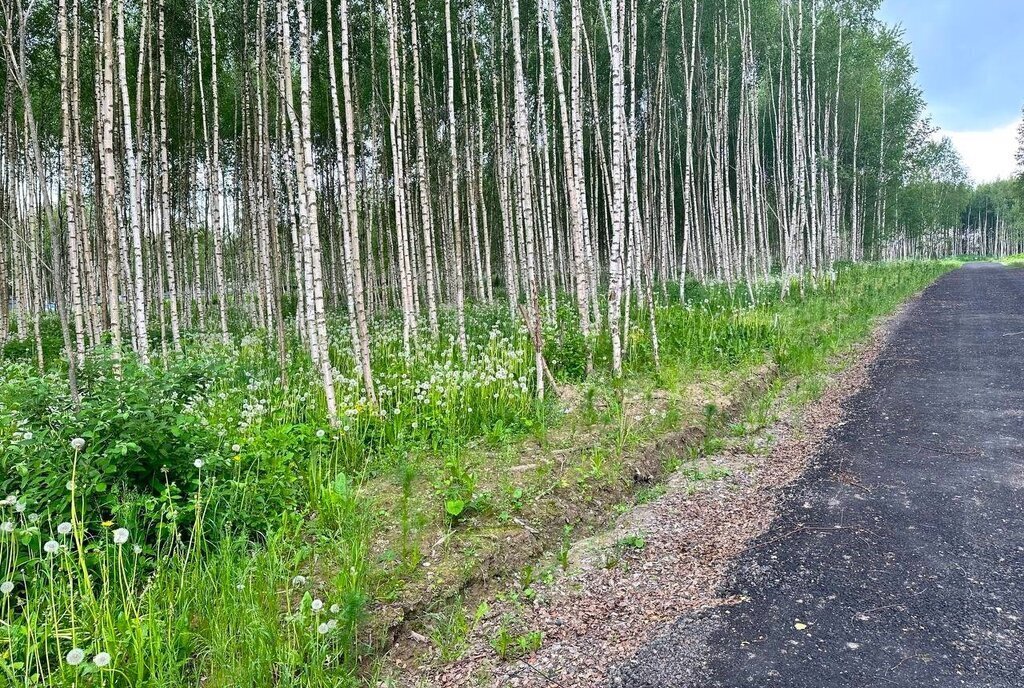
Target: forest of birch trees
315,313
178,166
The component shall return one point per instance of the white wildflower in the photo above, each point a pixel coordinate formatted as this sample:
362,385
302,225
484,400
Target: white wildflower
198,463
64,528
28,436
120,536
78,444
137,549
7,587
101,660
75,657
323,628
317,605
236,448
335,608
51,547
320,434
7,527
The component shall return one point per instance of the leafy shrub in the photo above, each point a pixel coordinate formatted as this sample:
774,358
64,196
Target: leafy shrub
25,350
139,432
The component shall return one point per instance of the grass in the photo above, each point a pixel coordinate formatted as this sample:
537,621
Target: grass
200,524
1014,261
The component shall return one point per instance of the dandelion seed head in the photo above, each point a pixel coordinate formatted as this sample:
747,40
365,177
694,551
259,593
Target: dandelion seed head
51,547
236,448
78,444
64,528
120,536
101,660
317,605
137,549
75,656
198,463
298,581
323,628
7,587
335,608
7,527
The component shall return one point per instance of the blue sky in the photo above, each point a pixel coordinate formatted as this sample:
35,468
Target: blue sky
970,54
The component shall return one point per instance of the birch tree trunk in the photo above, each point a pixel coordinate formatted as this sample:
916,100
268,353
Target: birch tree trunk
215,185
109,169
580,270
618,199
355,257
69,183
422,177
525,177
460,282
134,203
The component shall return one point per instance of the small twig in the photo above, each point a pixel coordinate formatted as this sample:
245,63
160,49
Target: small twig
444,538
940,450
847,479
540,673
526,526
538,345
890,606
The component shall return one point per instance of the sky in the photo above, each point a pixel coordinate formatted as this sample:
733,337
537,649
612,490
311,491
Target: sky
970,57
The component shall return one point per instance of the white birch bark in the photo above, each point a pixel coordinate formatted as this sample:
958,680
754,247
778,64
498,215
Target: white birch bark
523,139
216,182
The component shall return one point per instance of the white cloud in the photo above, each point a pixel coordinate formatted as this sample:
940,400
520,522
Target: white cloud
988,155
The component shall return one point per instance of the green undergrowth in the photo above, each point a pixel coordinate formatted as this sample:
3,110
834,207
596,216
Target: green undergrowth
195,522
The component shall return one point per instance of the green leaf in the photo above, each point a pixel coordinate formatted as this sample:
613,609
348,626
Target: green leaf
454,507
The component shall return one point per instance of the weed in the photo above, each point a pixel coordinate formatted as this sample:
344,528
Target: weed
508,644
449,631
565,547
650,494
696,476
630,542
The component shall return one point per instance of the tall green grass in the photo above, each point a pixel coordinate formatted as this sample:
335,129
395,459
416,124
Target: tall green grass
194,523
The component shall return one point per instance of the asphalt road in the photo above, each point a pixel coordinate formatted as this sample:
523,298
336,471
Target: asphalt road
898,559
